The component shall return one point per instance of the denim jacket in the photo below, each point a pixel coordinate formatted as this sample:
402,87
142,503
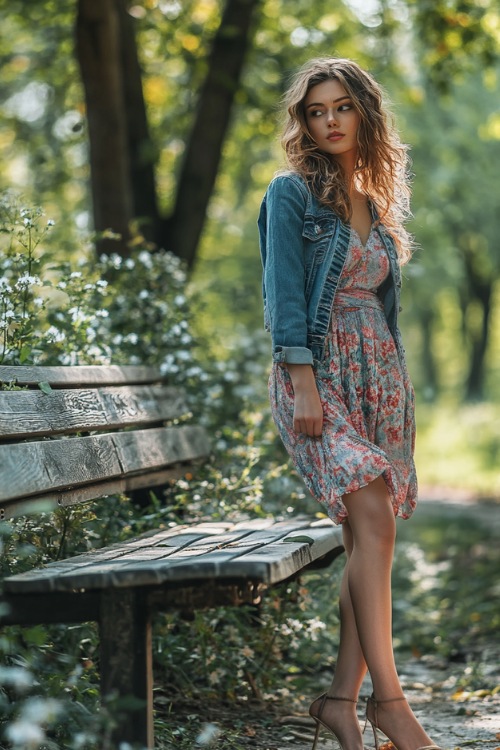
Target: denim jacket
303,246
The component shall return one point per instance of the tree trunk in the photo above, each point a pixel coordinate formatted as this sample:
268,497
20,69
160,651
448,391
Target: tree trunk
181,232
98,48
122,156
426,317
478,338
141,151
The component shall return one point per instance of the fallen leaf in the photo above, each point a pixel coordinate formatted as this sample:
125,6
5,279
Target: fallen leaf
297,539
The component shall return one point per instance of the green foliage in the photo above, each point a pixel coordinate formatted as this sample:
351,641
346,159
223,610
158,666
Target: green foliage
460,448
445,569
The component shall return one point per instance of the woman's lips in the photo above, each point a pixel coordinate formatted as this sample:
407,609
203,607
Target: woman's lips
335,136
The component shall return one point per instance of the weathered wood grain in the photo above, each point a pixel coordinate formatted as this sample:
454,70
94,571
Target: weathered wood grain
80,375
47,502
38,467
192,555
34,413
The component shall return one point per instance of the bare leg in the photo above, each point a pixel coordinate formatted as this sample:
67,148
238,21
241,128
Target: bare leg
373,526
350,668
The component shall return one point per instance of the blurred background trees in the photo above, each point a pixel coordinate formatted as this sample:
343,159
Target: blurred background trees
159,120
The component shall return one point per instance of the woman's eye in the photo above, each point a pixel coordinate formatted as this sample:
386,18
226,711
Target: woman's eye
316,113
345,107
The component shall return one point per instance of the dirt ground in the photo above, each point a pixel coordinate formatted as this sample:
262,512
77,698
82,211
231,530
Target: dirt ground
455,720
469,723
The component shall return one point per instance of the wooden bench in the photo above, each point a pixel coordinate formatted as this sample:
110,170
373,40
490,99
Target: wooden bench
46,461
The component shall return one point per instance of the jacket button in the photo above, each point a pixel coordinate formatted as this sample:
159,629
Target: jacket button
317,229
400,309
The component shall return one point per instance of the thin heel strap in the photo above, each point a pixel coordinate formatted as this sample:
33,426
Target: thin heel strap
374,702
386,700
325,697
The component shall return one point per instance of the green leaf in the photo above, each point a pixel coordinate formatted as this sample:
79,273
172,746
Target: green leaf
293,539
36,636
24,354
45,387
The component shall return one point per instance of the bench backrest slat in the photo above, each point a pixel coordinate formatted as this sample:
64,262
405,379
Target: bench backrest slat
96,431
49,501
34,468
59,376
35,413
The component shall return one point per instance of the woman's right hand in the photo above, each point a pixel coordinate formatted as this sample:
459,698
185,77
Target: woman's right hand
308,411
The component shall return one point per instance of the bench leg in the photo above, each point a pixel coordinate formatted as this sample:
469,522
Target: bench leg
126,661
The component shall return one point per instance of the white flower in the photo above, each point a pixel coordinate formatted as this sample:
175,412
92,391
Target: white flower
208,734
25,734
4,285
145,259
130,263
55,335
143,294
17,677
75,275
38,710
26,281
102,283
115,260
50,222
179,300
77,315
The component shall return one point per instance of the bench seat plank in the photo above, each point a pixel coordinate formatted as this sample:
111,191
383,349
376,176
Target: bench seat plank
29,413
63,376
38,467
261,555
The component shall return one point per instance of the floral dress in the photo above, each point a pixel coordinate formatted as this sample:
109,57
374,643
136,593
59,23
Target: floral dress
366,394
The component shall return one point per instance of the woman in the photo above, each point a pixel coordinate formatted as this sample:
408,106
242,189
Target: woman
332,242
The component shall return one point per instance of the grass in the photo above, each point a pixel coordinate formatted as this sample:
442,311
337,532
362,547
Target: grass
459,447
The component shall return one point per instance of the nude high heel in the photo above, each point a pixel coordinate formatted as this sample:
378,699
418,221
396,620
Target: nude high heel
317,718
372,709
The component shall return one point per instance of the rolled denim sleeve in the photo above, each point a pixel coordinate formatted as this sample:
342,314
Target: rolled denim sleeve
281,223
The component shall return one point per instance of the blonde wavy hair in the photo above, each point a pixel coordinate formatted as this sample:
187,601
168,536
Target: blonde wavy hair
381,170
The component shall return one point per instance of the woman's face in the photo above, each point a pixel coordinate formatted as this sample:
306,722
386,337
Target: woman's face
332,119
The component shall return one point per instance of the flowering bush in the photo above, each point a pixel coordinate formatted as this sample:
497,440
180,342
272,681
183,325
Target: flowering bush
132,310
139,310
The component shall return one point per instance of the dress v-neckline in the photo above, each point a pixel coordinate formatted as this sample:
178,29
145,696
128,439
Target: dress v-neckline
365,245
